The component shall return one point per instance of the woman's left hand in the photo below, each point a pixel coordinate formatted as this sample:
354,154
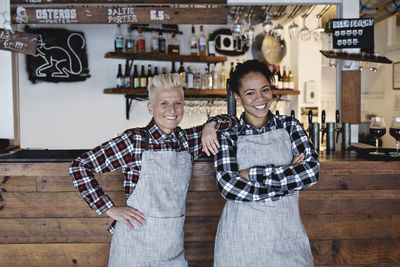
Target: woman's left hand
209,139
298,158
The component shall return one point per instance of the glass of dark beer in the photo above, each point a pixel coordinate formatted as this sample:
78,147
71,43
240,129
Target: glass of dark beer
377,129
394,131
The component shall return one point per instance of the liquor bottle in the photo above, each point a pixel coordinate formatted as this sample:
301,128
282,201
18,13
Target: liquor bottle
193,43
155,71
211,45
197,79
173,45
182,72
173,70
127,76
212,83
204,79
285,79
276,78
136,79
120,78
202,43
210,79
291,81
118,40
280,80
149,74
222,77
164,70
140,42
161,43
129,42
143,78
189,78
154,43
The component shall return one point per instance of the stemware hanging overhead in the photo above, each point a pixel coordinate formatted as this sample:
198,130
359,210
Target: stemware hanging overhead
305,32
317,32
294,28
267,24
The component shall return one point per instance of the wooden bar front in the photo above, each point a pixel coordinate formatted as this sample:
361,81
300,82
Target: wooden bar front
352,215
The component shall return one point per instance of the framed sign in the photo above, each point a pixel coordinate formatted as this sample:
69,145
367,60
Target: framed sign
60,56
20,42
396,76
353,33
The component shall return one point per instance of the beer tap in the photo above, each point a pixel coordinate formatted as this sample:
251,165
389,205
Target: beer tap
345,130
323,127
309,122
337,128
292,114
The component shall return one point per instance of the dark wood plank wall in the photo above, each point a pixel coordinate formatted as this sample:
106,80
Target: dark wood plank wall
352,216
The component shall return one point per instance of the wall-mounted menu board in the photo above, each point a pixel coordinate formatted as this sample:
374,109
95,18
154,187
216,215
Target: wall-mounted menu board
20,42
353,33
121,14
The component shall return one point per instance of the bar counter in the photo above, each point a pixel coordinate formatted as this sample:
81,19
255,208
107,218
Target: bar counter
352,215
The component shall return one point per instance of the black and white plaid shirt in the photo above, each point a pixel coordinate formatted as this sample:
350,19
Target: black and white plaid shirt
265,181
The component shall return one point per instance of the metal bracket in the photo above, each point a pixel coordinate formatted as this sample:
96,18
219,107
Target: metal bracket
128,103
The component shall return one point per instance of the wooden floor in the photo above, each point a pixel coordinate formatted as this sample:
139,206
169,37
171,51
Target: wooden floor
352,216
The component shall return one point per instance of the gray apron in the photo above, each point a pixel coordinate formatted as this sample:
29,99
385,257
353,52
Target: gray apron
263,233
160,195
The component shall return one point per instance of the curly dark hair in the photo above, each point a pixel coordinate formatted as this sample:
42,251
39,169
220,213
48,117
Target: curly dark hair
244,68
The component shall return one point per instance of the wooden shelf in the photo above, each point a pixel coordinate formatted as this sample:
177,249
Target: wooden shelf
142,92
356,57
166,57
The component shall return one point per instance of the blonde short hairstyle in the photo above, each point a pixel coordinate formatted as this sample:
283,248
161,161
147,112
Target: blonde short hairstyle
164,81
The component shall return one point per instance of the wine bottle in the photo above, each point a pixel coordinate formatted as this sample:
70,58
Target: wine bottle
149,74
280,80
141,42
118,40
136,79
143,78
291,81
285,79
155,71
173,67
182,72
202,42
211,45
193,43
120,78
161,43
127,76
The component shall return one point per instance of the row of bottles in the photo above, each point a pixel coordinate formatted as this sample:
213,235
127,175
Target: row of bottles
194,78
199,44
284,81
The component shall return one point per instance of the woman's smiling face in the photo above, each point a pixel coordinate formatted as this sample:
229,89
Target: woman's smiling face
256,97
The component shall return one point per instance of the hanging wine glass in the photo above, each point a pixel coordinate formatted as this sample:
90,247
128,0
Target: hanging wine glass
305,33
267,26
278,30
293,30
237,27
249,33
317,32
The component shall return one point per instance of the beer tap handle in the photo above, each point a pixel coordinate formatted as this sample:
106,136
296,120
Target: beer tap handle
309,120
323,129
277,112
323,117
292,114
338,129
337,116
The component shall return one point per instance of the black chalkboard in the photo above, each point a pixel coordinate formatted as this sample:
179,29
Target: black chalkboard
60,56
353,33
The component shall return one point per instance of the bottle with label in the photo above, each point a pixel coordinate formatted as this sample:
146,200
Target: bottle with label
136,80
211,45
290,80
127,76
143,78
118,40
204,79
194,46
120,77
222,77
210,80
173,45
154,43
202,42
197,79
149,74
173,70
213,84
182,72
280,80
285,79
189,78
155,71
161,43
140,42
129,42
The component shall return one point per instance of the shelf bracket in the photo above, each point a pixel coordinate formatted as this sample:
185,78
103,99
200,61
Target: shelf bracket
128,103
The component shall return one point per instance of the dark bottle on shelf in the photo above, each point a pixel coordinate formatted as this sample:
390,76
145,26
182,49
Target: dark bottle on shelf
143,78
173,45
173,70
149,74
161,43
155,71
120,77
164,70
136,79
127,76
182,72
280,79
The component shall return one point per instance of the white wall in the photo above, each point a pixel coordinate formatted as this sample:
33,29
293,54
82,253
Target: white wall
6,95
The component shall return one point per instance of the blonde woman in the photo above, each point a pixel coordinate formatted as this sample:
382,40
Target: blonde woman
156,162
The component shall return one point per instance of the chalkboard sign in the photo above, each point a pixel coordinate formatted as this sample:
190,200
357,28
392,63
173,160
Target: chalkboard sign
21,42
60,56
353,33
